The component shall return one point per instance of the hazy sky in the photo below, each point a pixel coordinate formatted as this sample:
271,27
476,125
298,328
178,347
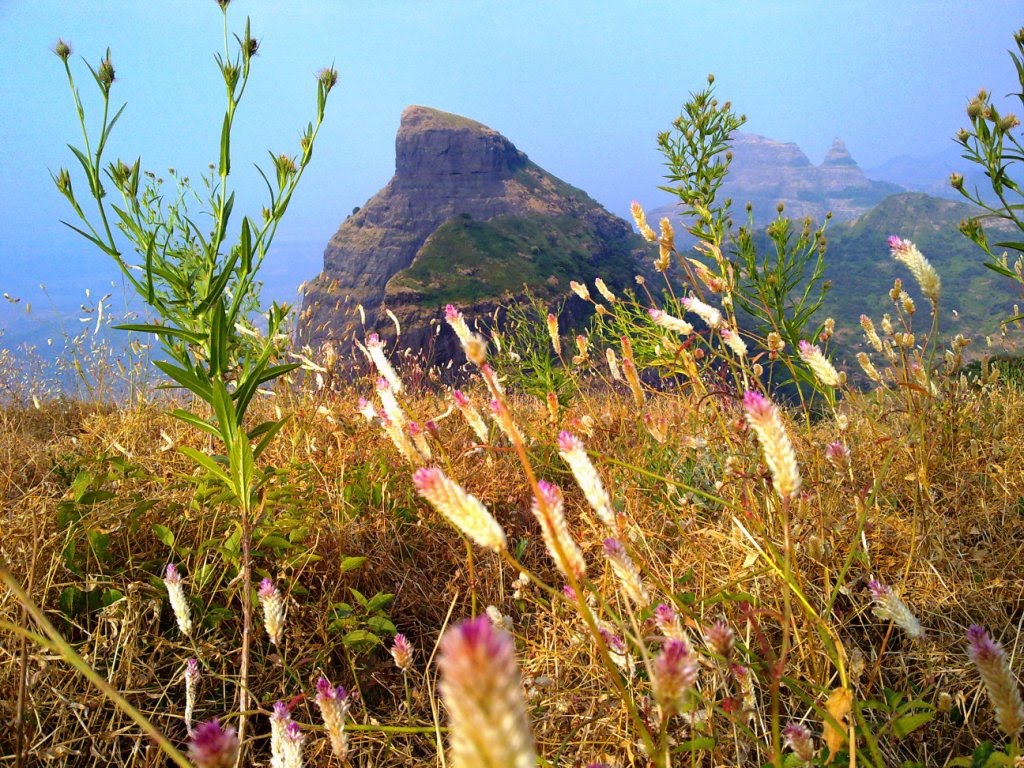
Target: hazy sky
582,87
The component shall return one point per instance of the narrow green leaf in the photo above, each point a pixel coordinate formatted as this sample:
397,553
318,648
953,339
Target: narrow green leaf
186,379
208,464
225,146
195,421
162,330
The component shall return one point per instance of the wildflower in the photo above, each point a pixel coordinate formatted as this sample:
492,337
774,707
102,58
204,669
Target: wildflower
62,49
374,350
719,637
273,610
990,659
191,682
498,619
401,652
667,621
472,344
838,455
548,508
176,595
868,367
633,379
799,740
870,333
734,341
711,316
641,222
665,320
213,746
820,365
471,415
328,77
400,437
501,414
556,341
668,234
627,573
889,606
569,593
461,509
285,739
613,364
105,73
763,416
389,402
673,674
571,449
552,400
828,330
583,347
907,253
617,649
333,704
580,290
775,344
481,688
610,297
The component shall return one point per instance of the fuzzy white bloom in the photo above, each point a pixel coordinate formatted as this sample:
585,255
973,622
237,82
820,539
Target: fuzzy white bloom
711,316
665,320
641,222
374,349
735,342
907,253
461,509
273,610
333,704
888,606
626,572
868,367
763,417
286,739
471,415
472,344
482,691
613,364
571,449
820,365
549,510
580,290
610,297
176,596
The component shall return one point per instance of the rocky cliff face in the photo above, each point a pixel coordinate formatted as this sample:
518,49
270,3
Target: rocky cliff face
466,219
766,172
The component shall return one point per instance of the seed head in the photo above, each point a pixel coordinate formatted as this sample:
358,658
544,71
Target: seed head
719,637
626,572
328,77
763,416
401,652
176,596
820,365
927,278
665,320
105,73
710,315
799,740
673,674
549,510
889,606
62,49
641,222
573,453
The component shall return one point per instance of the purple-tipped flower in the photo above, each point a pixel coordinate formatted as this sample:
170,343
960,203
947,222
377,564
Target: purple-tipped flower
673,674
798,739
374,350
472,344
273,610
285,738
820,365
626,572
573,453
176,595
889,606
720,637
764,419
569,592
401,652
213,746
838,455
333,703
908,254
668,623
481,689
549,510
990,659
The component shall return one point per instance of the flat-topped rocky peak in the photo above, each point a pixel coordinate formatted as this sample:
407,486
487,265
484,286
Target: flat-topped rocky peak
432,143
838,154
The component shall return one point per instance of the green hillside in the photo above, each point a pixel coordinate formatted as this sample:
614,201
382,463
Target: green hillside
466,260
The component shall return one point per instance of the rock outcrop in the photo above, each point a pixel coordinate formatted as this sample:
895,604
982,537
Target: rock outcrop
466,219
765,172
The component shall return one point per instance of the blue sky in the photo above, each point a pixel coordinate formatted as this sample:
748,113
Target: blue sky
582,87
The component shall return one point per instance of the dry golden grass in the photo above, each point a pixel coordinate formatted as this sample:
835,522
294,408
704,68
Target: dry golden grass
940,494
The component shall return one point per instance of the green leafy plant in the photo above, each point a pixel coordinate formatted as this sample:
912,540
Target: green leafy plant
200,286
992,142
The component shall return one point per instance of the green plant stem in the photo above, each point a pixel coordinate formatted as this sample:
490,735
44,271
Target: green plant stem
55,642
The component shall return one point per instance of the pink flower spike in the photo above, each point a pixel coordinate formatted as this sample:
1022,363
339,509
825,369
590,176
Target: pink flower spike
213,746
